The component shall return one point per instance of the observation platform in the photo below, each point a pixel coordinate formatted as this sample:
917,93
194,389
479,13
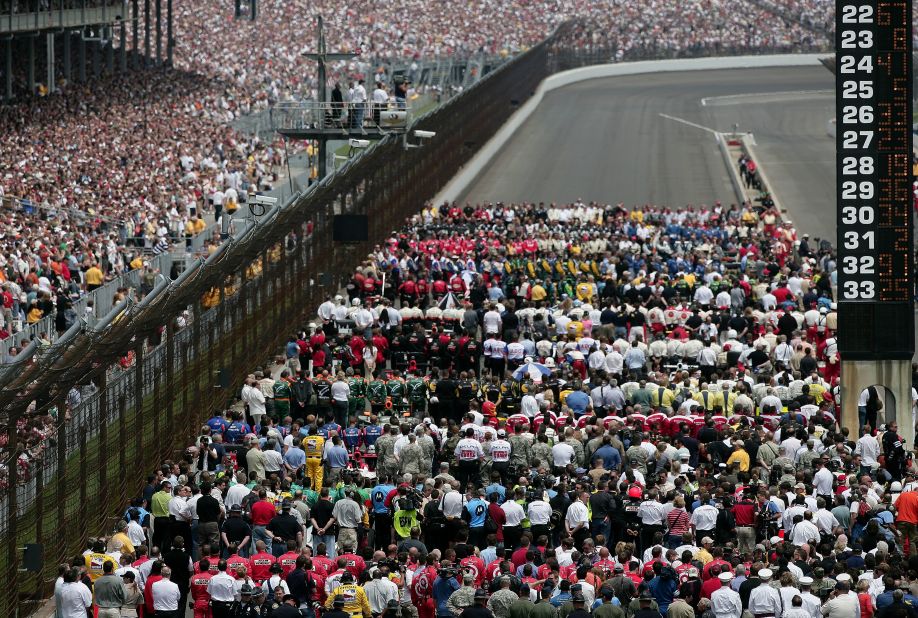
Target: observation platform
315,120
56,17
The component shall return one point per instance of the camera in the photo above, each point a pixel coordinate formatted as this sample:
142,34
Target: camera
447,572
392,565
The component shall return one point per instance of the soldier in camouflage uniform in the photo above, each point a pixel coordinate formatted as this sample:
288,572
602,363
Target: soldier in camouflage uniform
426,442
579,454
411,457
464,597
500,601
449,447
541,452
520,449
385,453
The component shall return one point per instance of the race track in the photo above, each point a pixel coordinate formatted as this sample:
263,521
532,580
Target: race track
606,140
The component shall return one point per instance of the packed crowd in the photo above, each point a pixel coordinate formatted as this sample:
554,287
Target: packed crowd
134,164
545,411
641,30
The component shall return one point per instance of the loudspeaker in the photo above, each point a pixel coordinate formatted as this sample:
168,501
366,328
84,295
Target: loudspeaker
351,228
223,378
33,557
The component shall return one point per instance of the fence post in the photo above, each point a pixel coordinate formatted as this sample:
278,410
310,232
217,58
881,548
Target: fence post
122,452
196,339
62,470
103,449
12,516
84,475
170,375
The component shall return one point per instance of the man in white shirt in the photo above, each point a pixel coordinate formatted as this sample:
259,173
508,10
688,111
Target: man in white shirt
726,602
380,590
822,480
237,492
704,519
562,453
358,104
764,600
577,520
842,603
868,448
513,519
166,596
380,102
468,454
492,321
74,597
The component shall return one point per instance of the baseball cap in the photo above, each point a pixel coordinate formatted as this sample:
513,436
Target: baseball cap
706,540
501,432
480,593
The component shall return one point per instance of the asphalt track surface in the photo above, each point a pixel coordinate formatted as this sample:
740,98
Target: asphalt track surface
606,140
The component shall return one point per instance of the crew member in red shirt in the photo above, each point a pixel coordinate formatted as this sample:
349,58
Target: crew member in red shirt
261,563
422,589
235,560
263,511
353,563
199,595
288,560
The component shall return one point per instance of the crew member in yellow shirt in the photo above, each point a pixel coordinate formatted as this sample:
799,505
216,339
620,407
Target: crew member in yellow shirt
349,597
314,445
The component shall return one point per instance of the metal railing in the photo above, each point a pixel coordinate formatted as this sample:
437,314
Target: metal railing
91,306
344,117
32,15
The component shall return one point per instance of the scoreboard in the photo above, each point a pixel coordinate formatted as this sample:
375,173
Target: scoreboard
873,70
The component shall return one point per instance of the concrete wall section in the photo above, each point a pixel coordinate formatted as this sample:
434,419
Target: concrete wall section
467,175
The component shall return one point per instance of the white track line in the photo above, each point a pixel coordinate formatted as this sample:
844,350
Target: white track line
752,95
691,124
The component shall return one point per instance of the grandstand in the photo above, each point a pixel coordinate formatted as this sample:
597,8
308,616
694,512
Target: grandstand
110,376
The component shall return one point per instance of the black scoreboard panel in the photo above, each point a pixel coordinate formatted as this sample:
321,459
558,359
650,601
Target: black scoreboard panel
873,42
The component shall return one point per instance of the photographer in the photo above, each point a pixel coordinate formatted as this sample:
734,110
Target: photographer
443,588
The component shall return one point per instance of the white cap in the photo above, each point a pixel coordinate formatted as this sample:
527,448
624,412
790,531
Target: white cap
806,581
725,576
843,577
765,573
706,540
896,486
501,432
355,302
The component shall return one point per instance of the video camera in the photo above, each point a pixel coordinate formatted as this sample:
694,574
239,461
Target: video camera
448,572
